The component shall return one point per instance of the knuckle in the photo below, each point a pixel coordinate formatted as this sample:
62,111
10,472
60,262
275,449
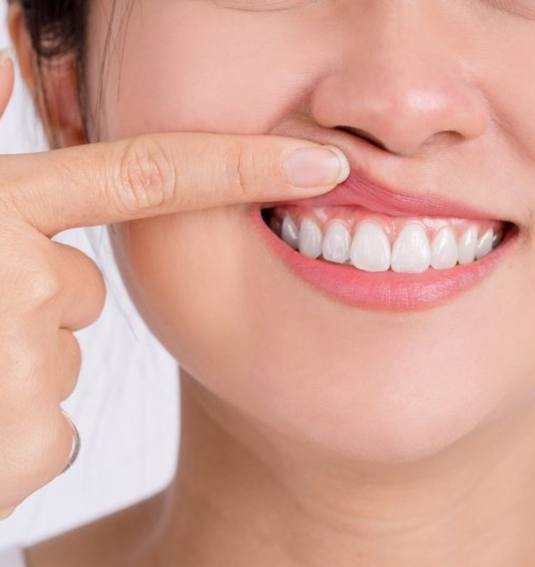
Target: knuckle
24,385
98,290
90,284
146,176
41,286
241,171
28,280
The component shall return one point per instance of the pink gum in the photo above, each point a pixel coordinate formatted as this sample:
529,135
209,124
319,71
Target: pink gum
350,216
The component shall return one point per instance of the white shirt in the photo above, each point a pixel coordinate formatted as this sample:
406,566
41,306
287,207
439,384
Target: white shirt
12,557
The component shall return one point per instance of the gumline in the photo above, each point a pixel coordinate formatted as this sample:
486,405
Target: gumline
390,224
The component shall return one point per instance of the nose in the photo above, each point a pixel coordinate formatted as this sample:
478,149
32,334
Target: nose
402,81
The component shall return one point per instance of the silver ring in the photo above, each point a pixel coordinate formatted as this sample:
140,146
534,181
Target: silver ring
76,443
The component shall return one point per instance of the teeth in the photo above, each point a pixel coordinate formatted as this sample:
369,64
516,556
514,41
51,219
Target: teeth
289,232
310,238
336,243
411,251
370,249
497,238
444,253
484,245
467,246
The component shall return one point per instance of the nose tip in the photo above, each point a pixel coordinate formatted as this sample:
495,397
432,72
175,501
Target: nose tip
402,94
399,118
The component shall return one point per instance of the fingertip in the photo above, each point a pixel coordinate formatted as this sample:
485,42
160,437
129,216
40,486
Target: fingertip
316,167
345,166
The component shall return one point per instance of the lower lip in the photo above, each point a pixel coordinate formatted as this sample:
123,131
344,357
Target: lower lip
390,291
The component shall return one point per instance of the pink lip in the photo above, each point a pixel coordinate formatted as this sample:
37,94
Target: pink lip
390,291
358,190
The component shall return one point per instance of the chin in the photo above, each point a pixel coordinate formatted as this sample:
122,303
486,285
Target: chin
378,414
368,386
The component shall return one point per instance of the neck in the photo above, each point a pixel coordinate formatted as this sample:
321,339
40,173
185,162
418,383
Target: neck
243,494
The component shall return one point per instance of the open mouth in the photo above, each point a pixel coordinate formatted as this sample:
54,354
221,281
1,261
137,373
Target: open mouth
378,243
373,260
376,246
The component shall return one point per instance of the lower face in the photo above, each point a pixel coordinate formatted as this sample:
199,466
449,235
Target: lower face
383,337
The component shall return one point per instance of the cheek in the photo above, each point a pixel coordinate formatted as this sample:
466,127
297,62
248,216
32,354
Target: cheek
175,75
378,387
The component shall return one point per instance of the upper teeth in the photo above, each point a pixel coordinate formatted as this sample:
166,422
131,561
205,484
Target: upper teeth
336,242
370,249
444,249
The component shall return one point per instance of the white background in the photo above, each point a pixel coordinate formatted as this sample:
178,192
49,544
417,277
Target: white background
126,402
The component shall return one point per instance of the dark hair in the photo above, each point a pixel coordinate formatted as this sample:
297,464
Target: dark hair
58,29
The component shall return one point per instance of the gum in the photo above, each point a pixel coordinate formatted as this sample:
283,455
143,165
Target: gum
351,216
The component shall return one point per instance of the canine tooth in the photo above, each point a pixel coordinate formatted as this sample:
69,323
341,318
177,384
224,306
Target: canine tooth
467,246
444,249
289,232
411,251
484,244
336,242
310,238
370,248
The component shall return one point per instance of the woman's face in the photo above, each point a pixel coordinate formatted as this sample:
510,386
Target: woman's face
448,89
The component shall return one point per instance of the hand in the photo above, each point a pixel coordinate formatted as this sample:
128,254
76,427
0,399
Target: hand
50,289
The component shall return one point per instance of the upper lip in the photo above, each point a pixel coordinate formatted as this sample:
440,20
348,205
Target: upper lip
359,190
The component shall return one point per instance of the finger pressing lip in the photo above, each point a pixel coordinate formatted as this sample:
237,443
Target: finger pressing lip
156,174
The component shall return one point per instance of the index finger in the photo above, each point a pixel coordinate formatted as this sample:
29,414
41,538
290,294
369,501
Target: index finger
154,174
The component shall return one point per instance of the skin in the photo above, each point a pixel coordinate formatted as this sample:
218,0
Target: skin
50,289
393,439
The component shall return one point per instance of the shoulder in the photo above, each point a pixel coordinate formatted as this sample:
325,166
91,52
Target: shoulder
105,542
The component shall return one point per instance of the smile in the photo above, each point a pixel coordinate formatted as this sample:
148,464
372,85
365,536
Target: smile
360,245
377,243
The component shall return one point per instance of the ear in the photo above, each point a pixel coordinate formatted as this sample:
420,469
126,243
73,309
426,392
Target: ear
54,89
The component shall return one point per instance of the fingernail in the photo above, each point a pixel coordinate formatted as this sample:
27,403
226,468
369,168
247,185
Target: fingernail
317,166
5,56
